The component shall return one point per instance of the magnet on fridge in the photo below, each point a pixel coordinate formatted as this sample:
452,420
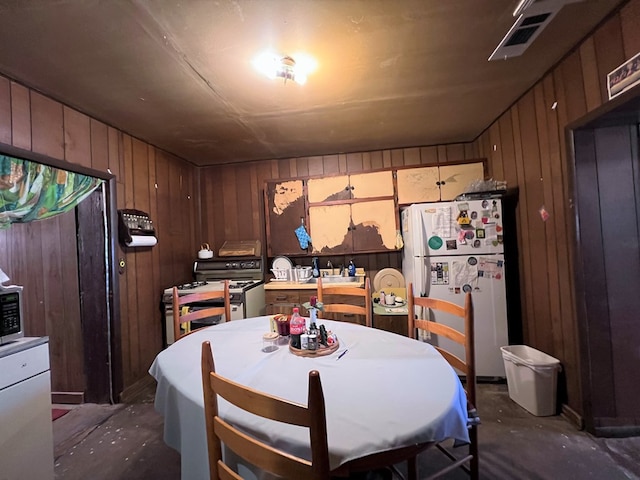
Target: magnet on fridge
480,232
472,261
476,243
452,245
474,215
435,242
469,234
485,203
466,288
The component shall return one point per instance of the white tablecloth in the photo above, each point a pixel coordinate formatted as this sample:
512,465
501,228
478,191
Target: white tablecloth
387,391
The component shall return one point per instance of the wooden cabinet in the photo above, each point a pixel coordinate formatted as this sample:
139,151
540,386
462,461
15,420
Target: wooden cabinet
355,213
283,301
352,214
348,187
433,184
285,211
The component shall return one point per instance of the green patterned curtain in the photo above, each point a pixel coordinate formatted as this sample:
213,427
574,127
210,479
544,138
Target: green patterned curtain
32,191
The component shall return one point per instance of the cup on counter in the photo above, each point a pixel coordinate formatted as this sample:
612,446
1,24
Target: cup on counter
390,299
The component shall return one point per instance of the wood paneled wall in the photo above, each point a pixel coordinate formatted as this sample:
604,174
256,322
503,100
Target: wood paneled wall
527,147
233,206
42,255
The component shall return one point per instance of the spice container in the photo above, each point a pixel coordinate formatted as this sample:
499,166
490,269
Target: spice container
312,342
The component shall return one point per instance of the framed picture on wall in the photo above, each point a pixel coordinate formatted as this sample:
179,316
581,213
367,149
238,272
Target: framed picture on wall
624,77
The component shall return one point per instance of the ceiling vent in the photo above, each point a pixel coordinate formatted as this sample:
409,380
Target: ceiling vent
532,17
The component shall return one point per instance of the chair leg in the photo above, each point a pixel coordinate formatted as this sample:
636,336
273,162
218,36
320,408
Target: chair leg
473,450
412,468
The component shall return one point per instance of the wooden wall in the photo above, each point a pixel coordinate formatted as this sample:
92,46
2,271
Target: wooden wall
527,147
233,206
42,255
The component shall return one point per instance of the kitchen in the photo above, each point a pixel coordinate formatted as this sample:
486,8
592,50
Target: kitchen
192,203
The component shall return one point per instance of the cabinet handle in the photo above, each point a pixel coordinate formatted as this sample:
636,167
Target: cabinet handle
281,298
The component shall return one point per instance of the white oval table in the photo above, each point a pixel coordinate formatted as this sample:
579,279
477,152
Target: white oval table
385,393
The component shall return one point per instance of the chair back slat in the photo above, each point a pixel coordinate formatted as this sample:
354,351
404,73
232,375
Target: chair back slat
361,295
183,315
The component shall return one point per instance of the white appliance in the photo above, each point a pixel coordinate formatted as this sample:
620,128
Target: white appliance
11,327
454,247
246,289
26,431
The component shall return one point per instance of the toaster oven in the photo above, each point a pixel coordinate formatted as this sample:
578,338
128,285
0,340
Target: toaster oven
11,321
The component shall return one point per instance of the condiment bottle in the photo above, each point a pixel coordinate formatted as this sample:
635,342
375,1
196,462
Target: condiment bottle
315,267
352,268
296,328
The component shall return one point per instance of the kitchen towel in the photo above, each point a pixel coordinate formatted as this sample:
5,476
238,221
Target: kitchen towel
303,237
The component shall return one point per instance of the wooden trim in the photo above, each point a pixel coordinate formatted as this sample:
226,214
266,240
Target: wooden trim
72,398
573,417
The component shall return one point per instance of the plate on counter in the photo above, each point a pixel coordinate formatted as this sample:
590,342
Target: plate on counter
388,278
282,263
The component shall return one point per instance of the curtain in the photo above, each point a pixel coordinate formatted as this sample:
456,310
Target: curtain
31,191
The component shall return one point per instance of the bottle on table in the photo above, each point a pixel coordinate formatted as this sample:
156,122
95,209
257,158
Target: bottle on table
297,326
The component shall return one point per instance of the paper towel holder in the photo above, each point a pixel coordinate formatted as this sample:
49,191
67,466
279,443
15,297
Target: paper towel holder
135,229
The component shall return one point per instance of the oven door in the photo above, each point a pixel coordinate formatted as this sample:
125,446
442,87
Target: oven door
236,314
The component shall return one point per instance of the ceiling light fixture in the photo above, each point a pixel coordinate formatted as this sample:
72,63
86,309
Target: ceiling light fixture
285,67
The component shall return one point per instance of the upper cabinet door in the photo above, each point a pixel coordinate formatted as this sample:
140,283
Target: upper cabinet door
454,179
374,225
368,185
285,211
331,228
418,185
328,189
433,184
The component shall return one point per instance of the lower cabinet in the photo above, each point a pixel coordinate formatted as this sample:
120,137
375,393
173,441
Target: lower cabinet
283,301
391,323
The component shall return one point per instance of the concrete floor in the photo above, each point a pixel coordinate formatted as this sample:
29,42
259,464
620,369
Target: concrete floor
124,441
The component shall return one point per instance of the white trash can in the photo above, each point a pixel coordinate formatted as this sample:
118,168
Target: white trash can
532,378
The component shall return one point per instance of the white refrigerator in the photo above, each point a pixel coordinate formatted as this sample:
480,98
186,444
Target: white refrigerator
454,247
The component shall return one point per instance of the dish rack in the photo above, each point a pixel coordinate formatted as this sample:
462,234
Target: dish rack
280,274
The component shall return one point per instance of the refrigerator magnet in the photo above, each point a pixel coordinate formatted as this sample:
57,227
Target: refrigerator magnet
435,242
480,232
452,245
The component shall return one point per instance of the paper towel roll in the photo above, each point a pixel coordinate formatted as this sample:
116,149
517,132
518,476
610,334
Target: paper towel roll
142,241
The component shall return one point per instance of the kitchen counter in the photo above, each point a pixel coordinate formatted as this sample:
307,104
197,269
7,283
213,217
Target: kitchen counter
278,285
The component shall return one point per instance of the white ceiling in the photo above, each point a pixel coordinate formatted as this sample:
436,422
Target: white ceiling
178,74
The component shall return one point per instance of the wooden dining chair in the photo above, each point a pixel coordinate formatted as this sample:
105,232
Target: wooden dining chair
419,318
251,449
184,312
343,297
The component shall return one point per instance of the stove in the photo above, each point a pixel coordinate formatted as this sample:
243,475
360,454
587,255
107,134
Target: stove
246,288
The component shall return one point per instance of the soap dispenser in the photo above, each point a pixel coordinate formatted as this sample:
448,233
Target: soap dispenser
352,268
315,271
